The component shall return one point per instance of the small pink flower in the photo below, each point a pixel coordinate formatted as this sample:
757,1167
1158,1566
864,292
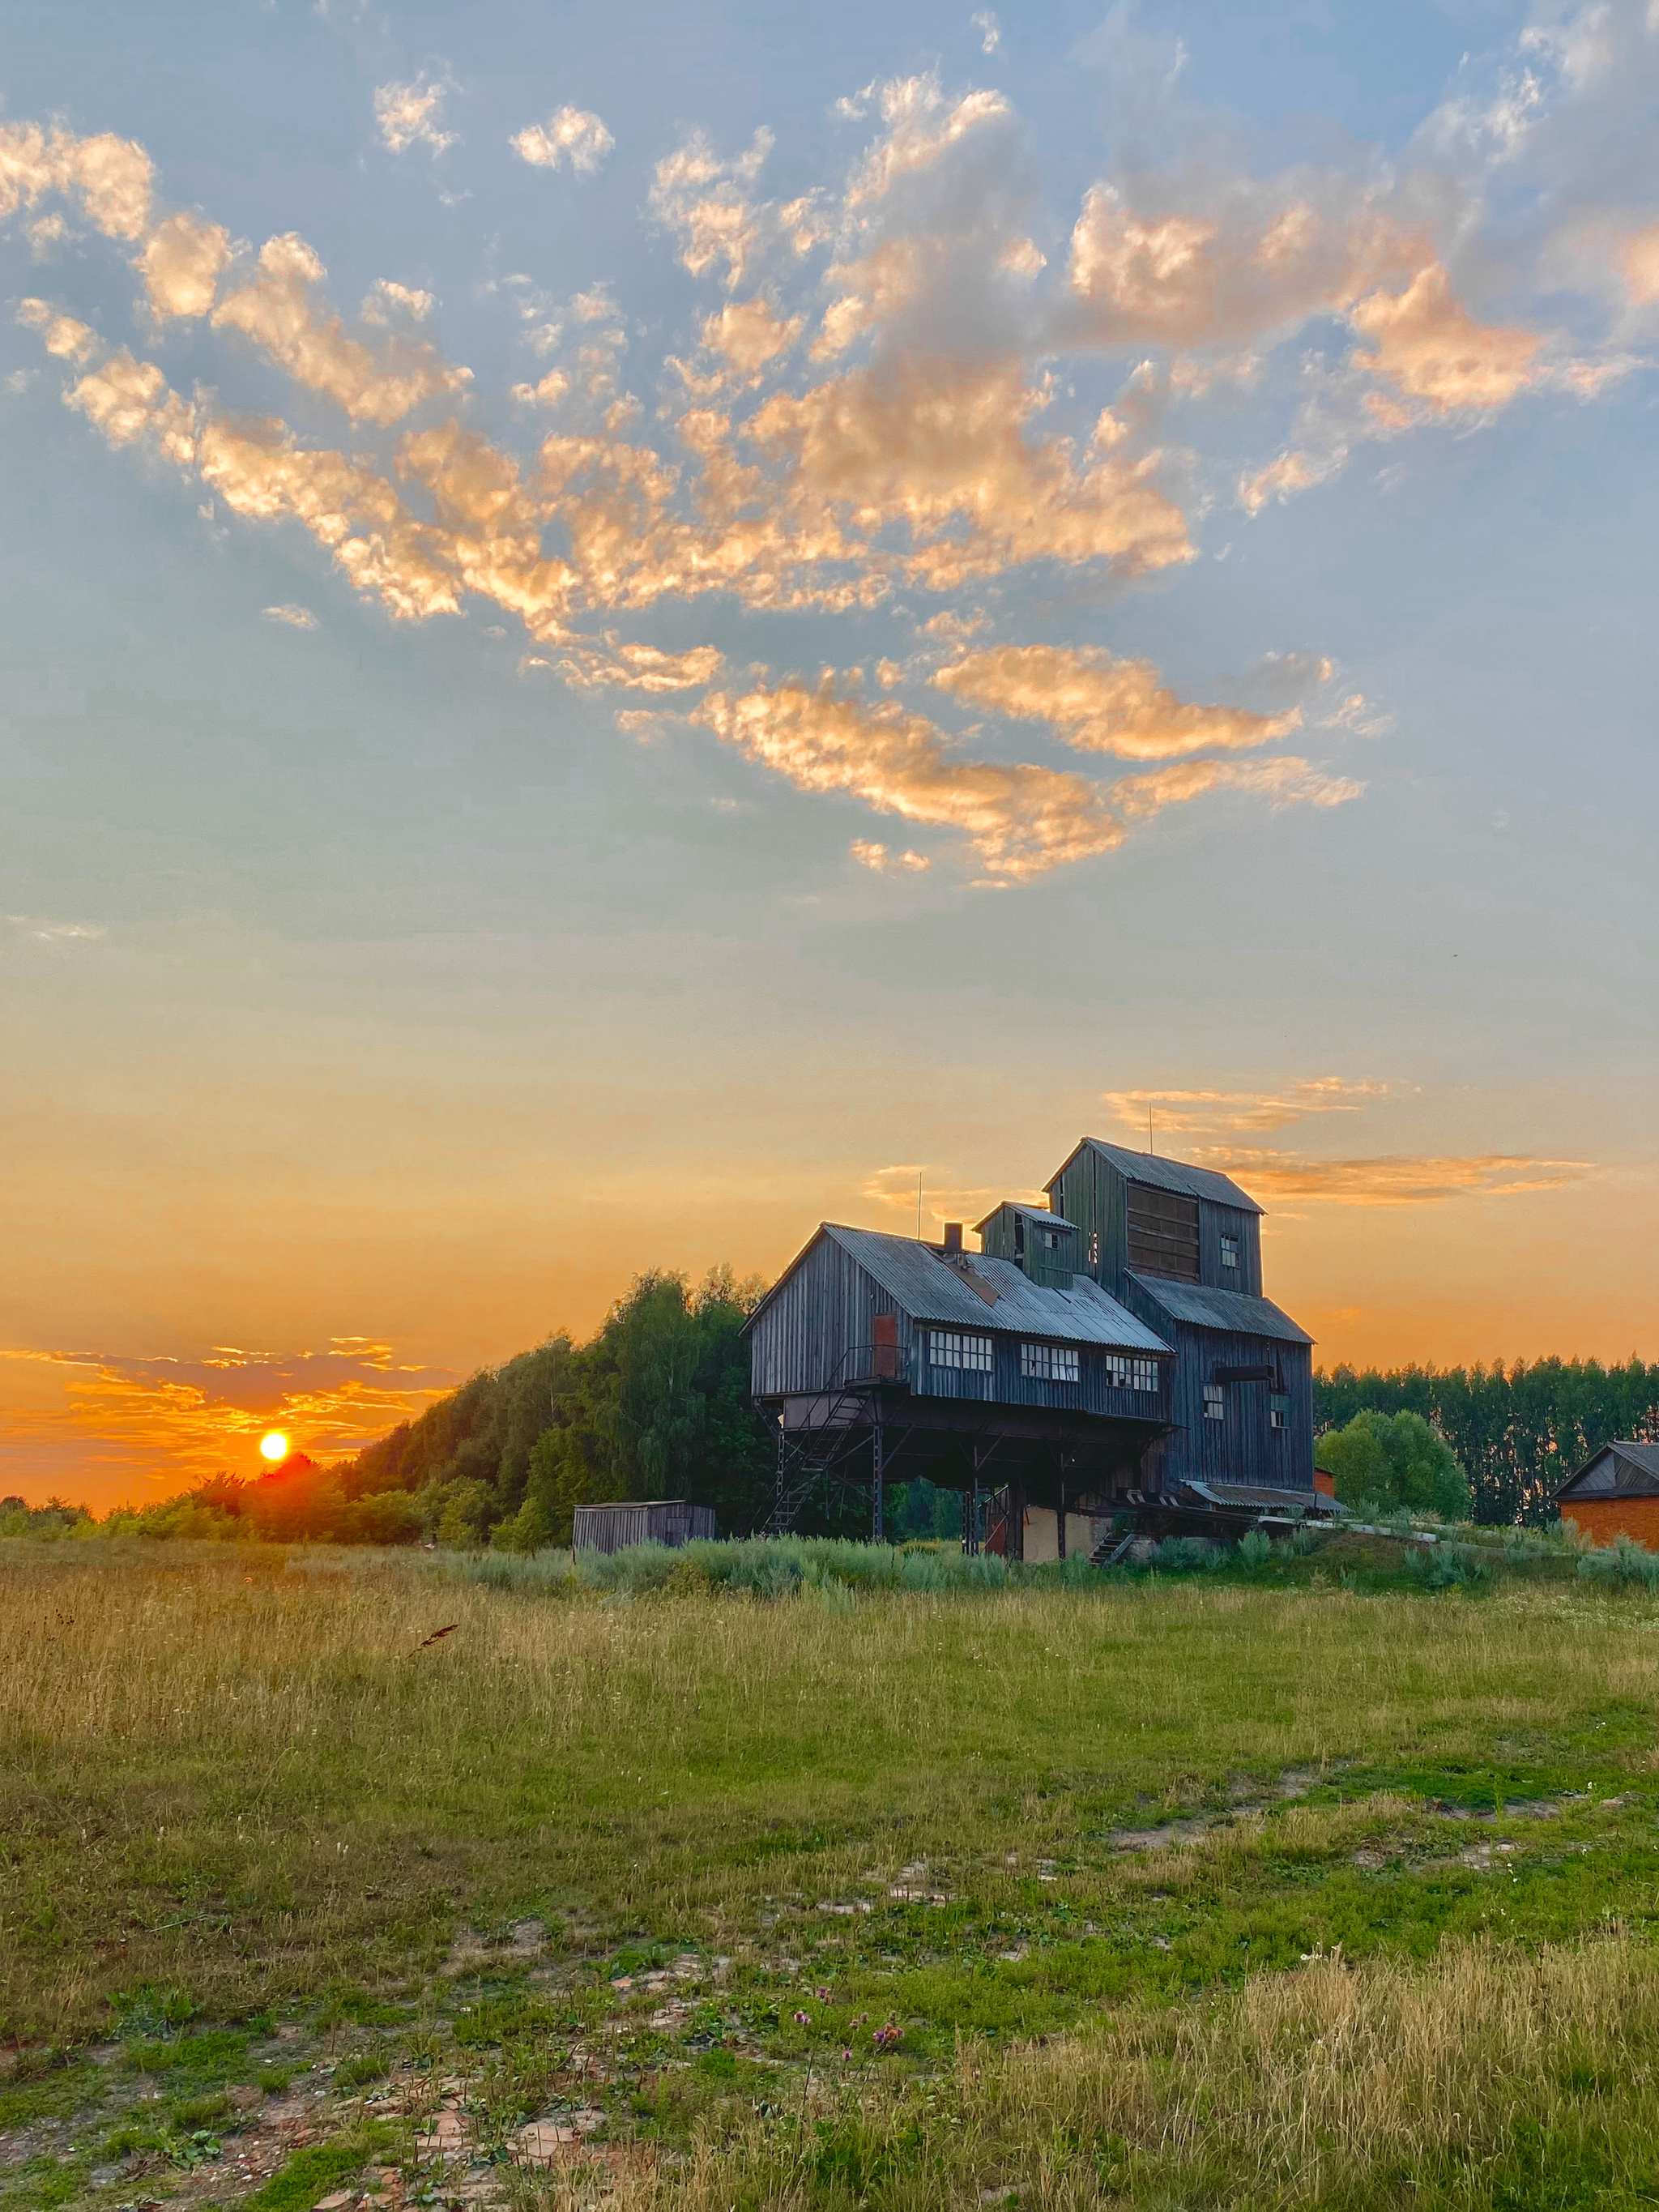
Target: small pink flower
822,1995
802,2020
845,2054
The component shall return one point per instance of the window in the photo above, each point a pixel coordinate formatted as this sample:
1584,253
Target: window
1215,1402
1230,1251
1279,1410
1131,1374
1048,1363
1094,1249
952,1347
1019,1235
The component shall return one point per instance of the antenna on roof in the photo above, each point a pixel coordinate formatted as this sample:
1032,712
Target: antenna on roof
1149,1124
918,1205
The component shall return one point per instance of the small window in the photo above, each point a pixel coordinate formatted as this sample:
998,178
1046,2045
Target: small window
1215,1402
1048,1363
1230,1251
1143,1375
1094,1247
1019,1235
952,1347
1279,1410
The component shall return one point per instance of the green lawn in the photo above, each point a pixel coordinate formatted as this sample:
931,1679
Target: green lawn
1099,1860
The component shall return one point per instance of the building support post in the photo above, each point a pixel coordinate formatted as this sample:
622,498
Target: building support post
970,1517
1014,1542
1059,1517
876,1471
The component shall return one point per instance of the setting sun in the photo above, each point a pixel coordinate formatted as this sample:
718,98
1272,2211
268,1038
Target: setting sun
274,1444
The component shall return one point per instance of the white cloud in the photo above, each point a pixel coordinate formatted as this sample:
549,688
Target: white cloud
570,135
295,617
412,115
55,933
990,30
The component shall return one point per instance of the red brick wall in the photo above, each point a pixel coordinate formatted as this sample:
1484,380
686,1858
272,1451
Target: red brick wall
1601,1519
1323,1483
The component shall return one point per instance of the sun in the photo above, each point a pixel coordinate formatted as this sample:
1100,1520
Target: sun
274,1444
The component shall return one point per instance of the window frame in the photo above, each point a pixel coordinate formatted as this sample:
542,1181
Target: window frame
1229,1255
1215,1402
1039,1363
957,1352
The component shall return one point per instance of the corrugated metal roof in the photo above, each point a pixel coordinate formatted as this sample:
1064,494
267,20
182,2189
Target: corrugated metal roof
1230,1310
1634,1474
930,1289
1045,1214
1176,1175
1264,1494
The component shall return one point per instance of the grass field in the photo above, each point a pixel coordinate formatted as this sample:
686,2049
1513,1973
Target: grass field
1241,1887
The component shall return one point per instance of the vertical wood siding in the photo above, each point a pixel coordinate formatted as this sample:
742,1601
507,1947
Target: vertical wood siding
825,1310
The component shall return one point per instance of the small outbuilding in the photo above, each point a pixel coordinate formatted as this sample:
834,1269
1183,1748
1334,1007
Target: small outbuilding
652,1520
1616,1494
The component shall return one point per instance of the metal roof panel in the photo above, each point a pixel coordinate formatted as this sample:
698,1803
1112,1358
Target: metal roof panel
1634,1473
1175,1175
1234,1311
930,1289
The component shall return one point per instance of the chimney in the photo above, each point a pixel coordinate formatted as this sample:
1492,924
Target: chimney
953,1240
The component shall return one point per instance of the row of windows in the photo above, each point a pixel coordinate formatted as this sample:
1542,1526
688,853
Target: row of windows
1038,1363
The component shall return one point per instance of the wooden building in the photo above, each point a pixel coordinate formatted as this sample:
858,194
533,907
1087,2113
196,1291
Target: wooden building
650,1520
1111,1352
1616,1494
1181,1247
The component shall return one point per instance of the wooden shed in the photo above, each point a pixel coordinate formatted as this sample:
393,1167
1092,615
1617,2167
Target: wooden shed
653,1521
1616,1494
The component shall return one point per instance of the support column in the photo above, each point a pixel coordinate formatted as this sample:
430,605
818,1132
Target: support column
1015,1543
1060,1518
970,1517
878,1456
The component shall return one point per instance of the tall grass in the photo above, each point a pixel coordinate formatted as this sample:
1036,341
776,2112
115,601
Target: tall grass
1491,2079
248,1774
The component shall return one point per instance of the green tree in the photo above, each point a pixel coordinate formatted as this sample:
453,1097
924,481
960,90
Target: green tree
1391,1463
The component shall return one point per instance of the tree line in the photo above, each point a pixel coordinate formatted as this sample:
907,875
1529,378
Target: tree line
1517,1432
656,1405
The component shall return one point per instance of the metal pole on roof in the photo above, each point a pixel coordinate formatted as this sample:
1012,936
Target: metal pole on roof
918,1205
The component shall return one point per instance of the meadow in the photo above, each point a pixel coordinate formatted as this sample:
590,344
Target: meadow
1300,1882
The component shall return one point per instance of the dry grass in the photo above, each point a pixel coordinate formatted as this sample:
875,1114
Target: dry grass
1490,2079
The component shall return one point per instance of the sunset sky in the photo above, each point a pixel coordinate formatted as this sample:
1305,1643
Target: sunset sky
622,629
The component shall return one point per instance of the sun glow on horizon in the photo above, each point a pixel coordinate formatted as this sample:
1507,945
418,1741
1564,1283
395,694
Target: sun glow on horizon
274,1444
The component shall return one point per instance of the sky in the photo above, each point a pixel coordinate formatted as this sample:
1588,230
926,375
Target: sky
623,630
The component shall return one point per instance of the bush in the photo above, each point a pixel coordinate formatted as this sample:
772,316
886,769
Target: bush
1395,1463
1623,1563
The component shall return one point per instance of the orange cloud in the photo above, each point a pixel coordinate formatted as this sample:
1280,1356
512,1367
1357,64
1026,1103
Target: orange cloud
181,264
1392,1181
1429,348
1101,703
76,1419
570,135
1182,1112
1641,266
281,312
112,178
1020,820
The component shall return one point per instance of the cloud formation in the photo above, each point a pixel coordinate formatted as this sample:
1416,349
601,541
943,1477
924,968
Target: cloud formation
885,403
1100,703
570,136
1186,1112
294,617
408,115
185,1417
1019,819
1393,1180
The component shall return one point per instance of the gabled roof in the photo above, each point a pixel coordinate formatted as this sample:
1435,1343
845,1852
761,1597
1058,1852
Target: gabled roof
1235,1311
930,1288
1043,1214
1618,1470
1170,1174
